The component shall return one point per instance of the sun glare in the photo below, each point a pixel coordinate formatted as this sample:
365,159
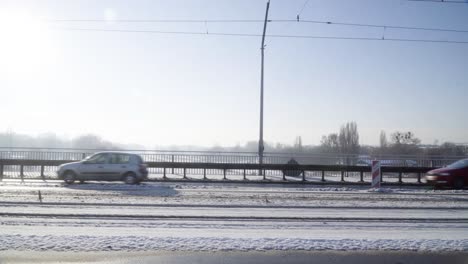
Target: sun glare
25,45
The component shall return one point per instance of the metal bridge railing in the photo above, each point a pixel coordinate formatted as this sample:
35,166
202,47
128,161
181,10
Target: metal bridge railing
237,157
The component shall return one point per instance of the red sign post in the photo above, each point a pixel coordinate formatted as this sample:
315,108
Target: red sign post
375,174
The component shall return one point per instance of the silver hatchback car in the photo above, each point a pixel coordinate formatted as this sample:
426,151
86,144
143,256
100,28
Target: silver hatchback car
105,166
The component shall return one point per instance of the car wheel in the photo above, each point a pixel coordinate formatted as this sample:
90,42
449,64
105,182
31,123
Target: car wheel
130,178
69,177
458,183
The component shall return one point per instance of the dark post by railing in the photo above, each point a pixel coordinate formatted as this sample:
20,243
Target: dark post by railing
400,180
323,175
42,172
245,177
22,173
361,176
419,177
164,173
204,173
224,174
185,173
303,176
342,176
1,172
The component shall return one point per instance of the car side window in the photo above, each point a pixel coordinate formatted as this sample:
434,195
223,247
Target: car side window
119,159
114,159
97,159
124,159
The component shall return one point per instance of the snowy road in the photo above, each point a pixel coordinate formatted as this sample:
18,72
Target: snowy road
225,212
214,217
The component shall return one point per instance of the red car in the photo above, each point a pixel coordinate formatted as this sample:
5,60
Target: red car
454,175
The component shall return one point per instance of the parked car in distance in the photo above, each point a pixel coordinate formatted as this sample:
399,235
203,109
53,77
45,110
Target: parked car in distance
386,162
454,175
105,166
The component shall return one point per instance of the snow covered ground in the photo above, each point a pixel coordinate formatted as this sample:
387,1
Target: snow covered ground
218,217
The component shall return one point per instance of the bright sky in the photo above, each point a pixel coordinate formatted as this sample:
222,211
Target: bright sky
164,89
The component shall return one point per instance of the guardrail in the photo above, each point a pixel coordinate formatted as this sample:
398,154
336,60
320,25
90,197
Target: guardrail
285,168
271,172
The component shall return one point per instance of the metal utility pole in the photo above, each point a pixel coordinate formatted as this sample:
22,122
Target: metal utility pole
260,142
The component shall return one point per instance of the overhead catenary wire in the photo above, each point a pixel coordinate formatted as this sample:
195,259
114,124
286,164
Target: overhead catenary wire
302,9
267,35
206,21
158,20
384,26
441,1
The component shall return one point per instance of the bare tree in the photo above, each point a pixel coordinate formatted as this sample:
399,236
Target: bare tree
298,144
404,143
405,138
383,140
348,139
447,149
330,143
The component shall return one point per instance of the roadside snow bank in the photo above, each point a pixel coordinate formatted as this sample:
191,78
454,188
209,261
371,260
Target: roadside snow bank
380,190
139,243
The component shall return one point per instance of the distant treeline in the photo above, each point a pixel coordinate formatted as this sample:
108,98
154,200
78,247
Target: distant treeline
50,140
346,141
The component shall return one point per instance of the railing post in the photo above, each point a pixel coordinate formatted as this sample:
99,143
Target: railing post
185,173
342,176
22,173
224,174
264,175
164,173
1,172
284,176
245,177
172,163
362,176
419,177
303,176
400,177
42,172
323,175
204,173
381,175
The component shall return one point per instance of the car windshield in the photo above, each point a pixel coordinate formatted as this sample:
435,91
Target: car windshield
459,164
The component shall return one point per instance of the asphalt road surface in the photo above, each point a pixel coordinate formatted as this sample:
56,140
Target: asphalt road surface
275,257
